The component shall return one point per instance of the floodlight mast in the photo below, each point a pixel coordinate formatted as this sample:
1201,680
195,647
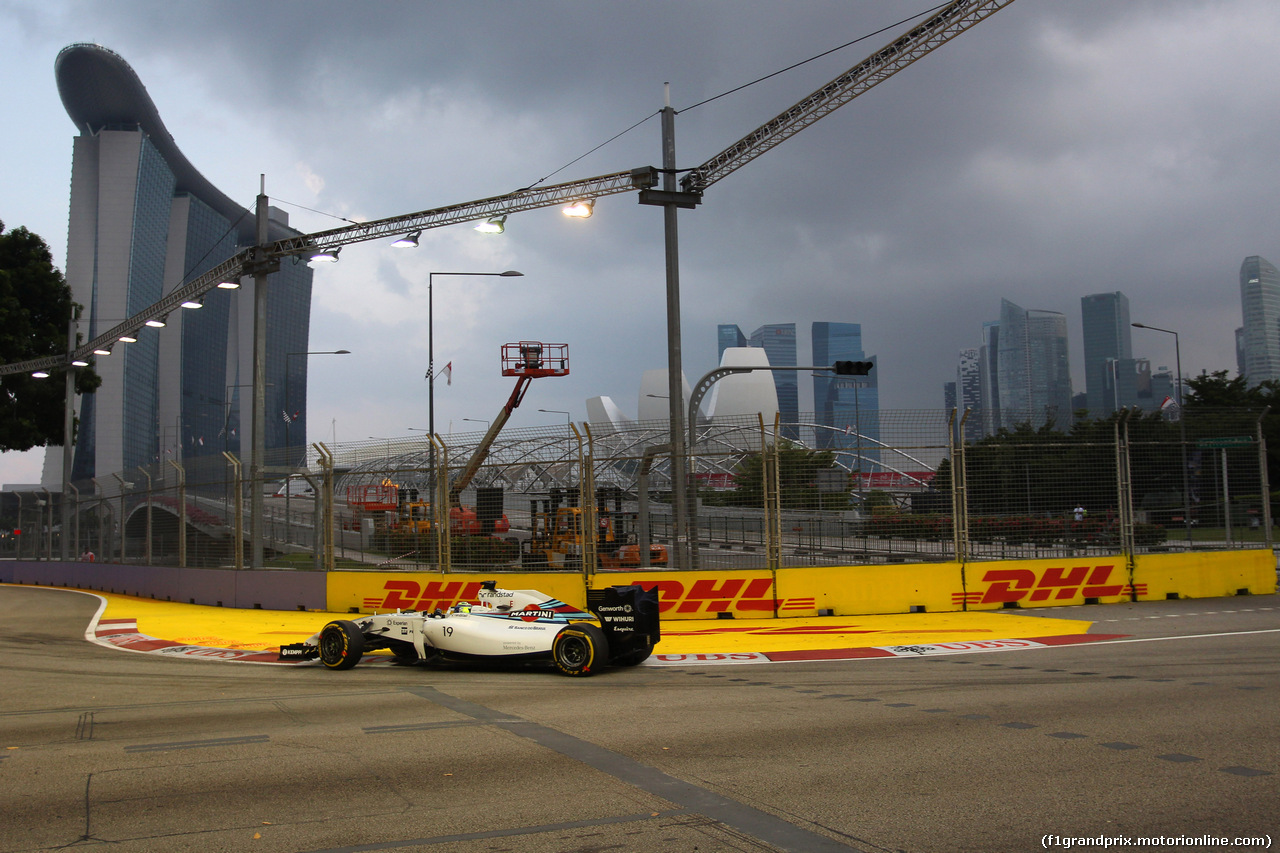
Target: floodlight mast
952,20
957,17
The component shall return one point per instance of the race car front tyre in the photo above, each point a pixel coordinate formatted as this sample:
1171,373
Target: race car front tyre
341,644
579,648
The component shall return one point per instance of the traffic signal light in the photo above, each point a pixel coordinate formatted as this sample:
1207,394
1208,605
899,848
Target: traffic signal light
852,368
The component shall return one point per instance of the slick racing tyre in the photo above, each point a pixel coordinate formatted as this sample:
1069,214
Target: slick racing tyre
579,648
341,644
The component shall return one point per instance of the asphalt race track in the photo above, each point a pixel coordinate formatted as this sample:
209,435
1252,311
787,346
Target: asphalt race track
1167,729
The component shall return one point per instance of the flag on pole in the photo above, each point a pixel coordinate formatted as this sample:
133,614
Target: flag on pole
448,373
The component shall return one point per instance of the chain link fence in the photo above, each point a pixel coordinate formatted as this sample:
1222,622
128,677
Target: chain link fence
888,487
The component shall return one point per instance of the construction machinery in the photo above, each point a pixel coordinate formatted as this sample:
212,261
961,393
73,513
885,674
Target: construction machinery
556,534
395,508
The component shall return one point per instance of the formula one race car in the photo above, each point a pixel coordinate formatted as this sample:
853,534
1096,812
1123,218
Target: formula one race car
504,625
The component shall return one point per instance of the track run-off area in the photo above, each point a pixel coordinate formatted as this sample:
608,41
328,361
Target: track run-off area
921,732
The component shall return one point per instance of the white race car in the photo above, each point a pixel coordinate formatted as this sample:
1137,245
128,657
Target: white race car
522,624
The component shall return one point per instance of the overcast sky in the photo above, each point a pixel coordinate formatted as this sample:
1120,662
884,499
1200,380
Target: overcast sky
1060,148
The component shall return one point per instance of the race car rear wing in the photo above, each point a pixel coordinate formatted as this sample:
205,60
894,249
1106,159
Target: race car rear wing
628,616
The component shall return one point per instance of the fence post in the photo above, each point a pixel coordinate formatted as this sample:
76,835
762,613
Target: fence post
587,499
772,499
182,513
1264,479
144,473
440,505
1124,496
959,492
326,531
75,543
123,538
48,521
239,510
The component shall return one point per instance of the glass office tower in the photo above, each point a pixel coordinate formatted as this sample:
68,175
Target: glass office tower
1107,341
847,406
1260,304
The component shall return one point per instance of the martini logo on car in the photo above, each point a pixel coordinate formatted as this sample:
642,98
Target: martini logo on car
532,613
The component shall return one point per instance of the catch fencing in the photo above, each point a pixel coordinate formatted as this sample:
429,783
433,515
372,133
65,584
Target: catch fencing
883,487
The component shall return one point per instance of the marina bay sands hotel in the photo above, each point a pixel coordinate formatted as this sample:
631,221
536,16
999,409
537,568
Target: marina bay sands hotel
142,222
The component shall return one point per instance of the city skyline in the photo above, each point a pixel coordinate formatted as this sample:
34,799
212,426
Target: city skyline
912,209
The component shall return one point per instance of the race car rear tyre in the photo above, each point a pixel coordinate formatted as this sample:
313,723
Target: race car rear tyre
341,644
635,657
579,648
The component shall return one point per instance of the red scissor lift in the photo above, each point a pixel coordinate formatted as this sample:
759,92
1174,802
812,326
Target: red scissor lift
526,360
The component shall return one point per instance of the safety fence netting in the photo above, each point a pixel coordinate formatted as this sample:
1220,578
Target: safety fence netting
881,487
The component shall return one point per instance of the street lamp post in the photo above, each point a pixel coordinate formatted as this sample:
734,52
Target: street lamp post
288,420
1182,423
568,416
431,356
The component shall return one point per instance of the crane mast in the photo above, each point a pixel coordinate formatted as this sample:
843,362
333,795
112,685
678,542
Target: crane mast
955,18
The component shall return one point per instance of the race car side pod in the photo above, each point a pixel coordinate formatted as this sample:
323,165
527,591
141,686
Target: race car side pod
629,618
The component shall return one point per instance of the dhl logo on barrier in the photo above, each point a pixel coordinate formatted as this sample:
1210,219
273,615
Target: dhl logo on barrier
720,595
411,595
1057,583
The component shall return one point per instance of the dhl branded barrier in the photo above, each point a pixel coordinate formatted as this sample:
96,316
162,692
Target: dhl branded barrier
1205,574
369,592
852,590
1045,583
896,588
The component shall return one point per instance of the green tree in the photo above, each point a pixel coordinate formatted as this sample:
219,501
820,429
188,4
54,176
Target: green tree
798,470
35,308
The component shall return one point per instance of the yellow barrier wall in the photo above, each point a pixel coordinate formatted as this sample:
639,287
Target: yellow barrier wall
846,590
366,592
1043,583
860,590
1204,575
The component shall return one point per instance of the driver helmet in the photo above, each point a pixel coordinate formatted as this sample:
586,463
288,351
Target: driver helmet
462,607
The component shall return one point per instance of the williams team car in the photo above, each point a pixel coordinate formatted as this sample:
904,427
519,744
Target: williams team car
503,625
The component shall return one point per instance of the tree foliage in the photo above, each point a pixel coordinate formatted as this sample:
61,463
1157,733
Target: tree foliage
35,308
798,470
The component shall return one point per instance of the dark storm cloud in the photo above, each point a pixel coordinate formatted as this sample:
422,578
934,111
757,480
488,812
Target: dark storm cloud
1056,150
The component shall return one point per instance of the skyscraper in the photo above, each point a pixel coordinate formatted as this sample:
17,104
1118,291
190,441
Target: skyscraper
142,222
968,394
989,376
1260,305
1107,340
849,406
1048,369
1011,364
778,340
728,336
1030,380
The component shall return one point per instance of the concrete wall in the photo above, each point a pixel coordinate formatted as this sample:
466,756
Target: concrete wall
268,590
746,594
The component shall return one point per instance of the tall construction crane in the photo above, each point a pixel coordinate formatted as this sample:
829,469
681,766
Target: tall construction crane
949,22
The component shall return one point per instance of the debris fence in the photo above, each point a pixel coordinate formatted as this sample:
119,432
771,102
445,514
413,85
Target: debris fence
883,487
